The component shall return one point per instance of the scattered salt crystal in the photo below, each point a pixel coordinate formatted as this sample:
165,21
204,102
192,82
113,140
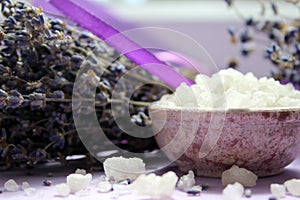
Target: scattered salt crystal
104,186
25,185
186,181
102,178
82,193
241,175
30,191
278,190
62,189
78,182
11,185
231,89
80,171
115,195
248,193
293,186
157,187
233,192
121,168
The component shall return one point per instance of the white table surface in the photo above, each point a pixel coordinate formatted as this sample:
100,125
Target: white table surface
260,191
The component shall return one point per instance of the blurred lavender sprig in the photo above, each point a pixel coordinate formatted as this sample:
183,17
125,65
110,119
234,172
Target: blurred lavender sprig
282,35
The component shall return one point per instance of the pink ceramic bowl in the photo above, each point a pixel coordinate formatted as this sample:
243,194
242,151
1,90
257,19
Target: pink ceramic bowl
209,142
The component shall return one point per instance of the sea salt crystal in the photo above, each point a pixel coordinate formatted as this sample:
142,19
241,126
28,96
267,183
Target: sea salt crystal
30,191
78,182
80,171
62,189
186,181
11,185
156,187
248,193
121,168
102,178
104,186
185,96
241,175
231,89
82,193
25,185
115,195
293,186
278,190
233,192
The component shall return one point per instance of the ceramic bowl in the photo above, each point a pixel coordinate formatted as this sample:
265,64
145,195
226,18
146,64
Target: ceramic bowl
209,142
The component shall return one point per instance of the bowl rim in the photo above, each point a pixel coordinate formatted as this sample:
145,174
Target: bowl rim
157,107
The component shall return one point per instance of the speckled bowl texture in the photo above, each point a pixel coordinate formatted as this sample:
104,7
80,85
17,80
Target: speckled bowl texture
263,141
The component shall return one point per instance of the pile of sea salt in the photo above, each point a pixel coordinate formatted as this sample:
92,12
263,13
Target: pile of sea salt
231,89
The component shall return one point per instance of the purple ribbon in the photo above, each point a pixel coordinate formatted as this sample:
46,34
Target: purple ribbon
120,42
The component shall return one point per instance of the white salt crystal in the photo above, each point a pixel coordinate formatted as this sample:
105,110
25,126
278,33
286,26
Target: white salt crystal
186,181
185,96
293,186
62,189
82,193
248,193
78,182
11,185
157,187
278,190
30,191
80,171
115,195
25,185
241,175
233,192
241,91
104,186
121,168
102,178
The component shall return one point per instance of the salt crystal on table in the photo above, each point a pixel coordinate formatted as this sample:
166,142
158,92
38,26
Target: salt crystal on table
248,193
241,175
120,168
102,178
62,189
104,186
80,171
157,187
293,186
233,192
11,185
82,193
78,182
30,191
278,190
186,181
115,195
25,185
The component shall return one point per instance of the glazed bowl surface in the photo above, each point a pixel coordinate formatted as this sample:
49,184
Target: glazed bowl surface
209,142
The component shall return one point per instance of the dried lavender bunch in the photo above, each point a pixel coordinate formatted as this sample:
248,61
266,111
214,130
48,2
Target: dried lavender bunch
40,58
282,35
